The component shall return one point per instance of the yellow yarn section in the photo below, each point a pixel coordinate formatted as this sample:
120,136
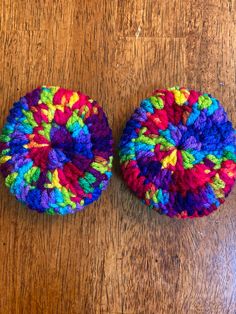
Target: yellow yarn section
218,185
230,174
170,159
33,144
151,193
60,107
4,159
54,181
73,99
67,194
181,96
50,112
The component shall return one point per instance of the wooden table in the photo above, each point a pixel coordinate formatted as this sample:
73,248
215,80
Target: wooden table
116,256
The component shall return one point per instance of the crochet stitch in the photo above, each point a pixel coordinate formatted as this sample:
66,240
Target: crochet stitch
178,153
56,150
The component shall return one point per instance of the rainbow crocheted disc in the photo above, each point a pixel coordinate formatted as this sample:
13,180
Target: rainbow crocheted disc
178,153
56,150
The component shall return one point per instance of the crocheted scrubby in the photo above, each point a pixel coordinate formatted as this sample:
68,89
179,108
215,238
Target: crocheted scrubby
178,153
56,150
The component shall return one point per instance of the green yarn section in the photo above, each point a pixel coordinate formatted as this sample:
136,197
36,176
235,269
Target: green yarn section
67,194
30,118
75,118
145,140
188,159
157,102
51,211
87,181
48,94
110,161
7,131
165,145
204,101
4,138
32,175
49,176
99,167
230,155
142,138
5,152
10,179
156,197
153,141
101,185
127,157
218,183
46,130
215,160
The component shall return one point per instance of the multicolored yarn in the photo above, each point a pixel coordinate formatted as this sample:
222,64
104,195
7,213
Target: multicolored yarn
178,153
56,150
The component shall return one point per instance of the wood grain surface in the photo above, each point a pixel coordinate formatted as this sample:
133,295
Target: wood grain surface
116,256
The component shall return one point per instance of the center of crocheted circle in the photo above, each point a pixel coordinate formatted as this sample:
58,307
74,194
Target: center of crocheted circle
169,151
60,138
52,145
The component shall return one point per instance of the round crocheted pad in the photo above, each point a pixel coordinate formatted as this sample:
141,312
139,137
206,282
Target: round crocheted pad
178,153
56,150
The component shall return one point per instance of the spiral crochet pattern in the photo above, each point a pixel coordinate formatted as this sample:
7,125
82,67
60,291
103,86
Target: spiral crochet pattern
56,150
178,153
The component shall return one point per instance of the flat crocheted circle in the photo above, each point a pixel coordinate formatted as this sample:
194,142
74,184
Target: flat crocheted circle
56,150
178,153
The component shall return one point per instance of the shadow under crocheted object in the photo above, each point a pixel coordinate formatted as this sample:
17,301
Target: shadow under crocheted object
178,153
56,150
